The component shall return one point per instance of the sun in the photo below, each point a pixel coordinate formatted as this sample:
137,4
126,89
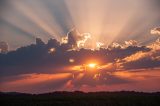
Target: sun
92,65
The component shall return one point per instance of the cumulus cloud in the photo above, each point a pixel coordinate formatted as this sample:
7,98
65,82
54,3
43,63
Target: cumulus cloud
75,39
99,45
82,40
125,44
155,45
155,31
131,43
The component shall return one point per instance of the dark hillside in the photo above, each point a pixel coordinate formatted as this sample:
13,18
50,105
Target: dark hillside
81,99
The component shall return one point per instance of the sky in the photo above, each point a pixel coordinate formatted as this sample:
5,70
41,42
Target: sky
87,45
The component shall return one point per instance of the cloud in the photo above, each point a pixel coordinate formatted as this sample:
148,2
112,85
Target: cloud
143,63
4,47
131,43
45,61
155,45
39,82
125,44
143,60
75,39
99,45
61,81
83,38
155,31
40,57
99,79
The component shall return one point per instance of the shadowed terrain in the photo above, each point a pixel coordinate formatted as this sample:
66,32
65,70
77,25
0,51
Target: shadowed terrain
77,98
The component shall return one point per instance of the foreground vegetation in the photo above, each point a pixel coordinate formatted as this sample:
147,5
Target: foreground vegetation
81,99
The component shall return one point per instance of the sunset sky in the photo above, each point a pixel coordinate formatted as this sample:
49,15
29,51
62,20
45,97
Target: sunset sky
87,45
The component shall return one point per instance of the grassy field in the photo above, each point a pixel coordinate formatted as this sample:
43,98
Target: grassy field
81,99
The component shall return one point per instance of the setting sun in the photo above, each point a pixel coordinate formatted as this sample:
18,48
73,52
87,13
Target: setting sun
92,65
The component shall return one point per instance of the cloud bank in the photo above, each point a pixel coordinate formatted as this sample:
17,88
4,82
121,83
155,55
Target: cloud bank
64,66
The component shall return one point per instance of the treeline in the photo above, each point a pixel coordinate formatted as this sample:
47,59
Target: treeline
81,99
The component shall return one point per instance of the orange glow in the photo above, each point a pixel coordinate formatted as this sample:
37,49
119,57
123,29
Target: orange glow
51,50
77,68
71,60
92,65
23,81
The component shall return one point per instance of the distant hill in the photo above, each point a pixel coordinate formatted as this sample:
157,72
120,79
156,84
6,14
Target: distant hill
78,98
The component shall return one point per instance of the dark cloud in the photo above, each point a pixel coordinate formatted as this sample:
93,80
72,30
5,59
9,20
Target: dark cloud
47,58
72,37
148,61
141,60
142,64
